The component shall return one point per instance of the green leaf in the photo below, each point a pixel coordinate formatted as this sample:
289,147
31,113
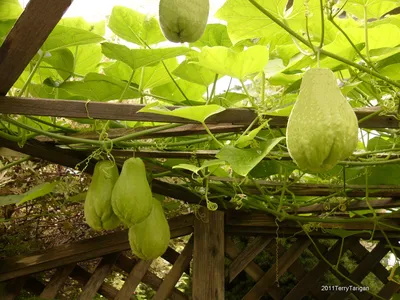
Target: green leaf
77,198
80,23
118,70
87,59
375,8
245,140
226,61
378,175
267,168
205,164
193,72
172,94
5,27
214,35
391,71
378,143
228,99
63,62
153,76
135,27
10,9
136,58
245,21
243,161
10,199
38,191
63,37
195,113
99,87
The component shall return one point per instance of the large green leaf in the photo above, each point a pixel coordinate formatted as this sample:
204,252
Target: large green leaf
10,199
267,168
246,21
226,61
10,9
99,87
87,59
228,99
195,113
80,23
193,72
118,70
38,191
172,94
214,35
374,8
136,58
62,61
243,161
63,37
135,27
153,76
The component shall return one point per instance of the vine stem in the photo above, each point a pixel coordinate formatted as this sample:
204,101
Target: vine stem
329,54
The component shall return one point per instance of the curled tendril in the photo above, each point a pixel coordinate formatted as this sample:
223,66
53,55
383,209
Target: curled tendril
87,109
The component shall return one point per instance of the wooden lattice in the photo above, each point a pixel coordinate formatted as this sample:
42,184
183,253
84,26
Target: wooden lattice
211,243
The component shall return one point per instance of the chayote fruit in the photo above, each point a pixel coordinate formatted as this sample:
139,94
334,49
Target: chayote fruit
183,20
97,209
131,198
322,127
150,238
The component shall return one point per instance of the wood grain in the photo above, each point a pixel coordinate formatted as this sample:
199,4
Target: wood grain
26,37
57,281
129,112
208,256
133,280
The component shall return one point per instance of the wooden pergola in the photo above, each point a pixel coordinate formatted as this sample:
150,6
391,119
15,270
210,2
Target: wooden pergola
211,239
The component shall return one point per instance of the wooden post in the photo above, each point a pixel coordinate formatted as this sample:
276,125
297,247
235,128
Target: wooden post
208,256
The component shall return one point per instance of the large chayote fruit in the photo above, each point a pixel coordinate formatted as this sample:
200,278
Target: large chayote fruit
150,238
97,209
183,20
132,198
322,127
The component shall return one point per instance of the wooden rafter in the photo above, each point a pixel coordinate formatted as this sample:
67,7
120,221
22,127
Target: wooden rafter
26,37
122,111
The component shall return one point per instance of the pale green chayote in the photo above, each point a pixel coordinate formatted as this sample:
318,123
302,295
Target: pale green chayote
150,238
97,209
322,127
183,20
131,198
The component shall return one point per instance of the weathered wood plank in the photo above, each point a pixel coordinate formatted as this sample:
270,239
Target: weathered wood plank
389,289
121,111
133,280
171,255
57,281
180,265
26,37
247,255
208,256
80,251
82,277
252,269
126,264
284,262
96,280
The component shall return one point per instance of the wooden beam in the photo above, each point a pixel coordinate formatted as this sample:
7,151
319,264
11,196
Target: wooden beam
79,251
57,282
180,265
247,256
96,280
26,37
284,262
123,111
133,280
208,256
